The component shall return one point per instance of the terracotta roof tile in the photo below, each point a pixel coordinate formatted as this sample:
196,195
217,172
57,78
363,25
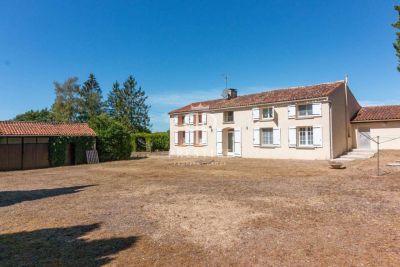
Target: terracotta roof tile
279,95
378,113
19,128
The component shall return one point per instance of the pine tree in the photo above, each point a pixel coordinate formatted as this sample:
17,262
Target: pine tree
397,43
65,106
89,102
128,105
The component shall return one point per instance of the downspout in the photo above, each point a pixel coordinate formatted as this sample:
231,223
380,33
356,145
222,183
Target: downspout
330,130
346,113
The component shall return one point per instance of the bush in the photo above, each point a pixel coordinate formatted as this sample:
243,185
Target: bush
150,142
113,138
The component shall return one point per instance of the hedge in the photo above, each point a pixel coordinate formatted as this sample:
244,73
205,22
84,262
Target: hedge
113,140
150,142
58,147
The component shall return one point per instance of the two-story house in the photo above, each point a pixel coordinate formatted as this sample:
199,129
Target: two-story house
307,122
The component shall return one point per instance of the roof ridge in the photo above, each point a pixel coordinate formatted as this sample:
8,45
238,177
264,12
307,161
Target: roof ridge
44,122
271,90
378,106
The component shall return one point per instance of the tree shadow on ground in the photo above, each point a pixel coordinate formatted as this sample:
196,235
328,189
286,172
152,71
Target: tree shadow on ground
59,247
8,198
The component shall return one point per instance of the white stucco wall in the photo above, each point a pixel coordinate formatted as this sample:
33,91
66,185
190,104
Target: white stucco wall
385,130
243,119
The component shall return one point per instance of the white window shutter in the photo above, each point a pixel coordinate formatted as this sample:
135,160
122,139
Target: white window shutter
191,119
191,137
186,119
316,108
219,142
204,118
187,137
291,111
238,141
277,136
256,136
176,138
175,120
204,137
292,137
317,136
256,114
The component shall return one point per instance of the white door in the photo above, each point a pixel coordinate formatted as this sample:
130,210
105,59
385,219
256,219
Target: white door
231,143
364,135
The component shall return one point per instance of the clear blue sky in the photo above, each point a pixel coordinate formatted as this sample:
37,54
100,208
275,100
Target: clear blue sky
178,50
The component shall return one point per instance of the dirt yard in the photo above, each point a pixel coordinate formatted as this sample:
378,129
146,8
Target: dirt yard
162,211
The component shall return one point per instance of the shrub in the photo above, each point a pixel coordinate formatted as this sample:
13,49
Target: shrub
113,138
150,141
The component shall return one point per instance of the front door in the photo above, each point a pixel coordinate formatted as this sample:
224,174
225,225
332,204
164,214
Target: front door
231,142
364,136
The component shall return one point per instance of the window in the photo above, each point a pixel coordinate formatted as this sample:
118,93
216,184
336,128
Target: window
14,140
268,113
3,140
267,136
30,140
305,110
228,116
199,118
42,140
181,137
306,136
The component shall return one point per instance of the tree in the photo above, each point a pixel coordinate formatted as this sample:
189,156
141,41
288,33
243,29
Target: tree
128,105
397,43
65,107
89,101
113,140
42,115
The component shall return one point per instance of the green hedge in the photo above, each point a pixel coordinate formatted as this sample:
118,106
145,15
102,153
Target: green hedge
150,142
113,140
58,149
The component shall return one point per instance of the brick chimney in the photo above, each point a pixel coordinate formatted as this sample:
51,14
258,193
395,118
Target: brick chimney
232,93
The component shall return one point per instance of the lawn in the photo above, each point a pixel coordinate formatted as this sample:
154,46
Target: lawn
174,211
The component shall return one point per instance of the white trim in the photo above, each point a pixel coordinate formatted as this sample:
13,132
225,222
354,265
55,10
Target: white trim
256,137
255,114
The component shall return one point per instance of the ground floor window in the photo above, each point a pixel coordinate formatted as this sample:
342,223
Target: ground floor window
306,136
267,136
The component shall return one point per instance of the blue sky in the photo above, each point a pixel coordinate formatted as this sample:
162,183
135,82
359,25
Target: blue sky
178,50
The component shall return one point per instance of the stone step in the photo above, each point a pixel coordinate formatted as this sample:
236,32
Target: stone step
397,164
363,150
344,159
361,153
357,156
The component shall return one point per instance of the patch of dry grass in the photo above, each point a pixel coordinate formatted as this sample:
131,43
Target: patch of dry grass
167,211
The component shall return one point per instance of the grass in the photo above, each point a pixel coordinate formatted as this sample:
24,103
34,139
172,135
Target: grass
179,211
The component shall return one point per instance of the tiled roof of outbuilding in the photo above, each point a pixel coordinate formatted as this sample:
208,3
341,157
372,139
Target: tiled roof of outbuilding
21,128
274,96
378,113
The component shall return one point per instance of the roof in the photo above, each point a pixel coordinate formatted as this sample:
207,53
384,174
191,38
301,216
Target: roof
378,113
22,128
274,96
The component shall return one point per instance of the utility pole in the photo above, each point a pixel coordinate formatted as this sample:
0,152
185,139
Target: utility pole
377,139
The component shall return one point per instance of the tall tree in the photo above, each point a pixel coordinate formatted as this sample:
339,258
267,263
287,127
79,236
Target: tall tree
128,105
397,43
42,115
89,101
65,107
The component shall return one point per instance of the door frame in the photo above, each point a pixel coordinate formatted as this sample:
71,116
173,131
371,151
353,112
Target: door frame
359,136
232,153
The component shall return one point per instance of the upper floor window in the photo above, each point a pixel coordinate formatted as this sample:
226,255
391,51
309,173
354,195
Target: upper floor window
228,116
268,113
305,110
199,118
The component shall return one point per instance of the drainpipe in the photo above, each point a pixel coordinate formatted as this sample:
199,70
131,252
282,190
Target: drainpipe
330,130
346,113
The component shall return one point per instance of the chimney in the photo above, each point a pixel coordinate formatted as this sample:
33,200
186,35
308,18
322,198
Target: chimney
232,93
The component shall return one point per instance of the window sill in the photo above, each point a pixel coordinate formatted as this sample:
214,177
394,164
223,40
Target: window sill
199,145
269,119
228,122
306,147
307,117
270,146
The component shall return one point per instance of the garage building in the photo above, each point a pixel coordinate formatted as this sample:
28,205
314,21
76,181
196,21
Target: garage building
25,145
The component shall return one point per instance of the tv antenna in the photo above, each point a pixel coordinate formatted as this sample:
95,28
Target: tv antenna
226,80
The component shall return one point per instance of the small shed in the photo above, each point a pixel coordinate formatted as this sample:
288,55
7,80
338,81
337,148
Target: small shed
25,145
